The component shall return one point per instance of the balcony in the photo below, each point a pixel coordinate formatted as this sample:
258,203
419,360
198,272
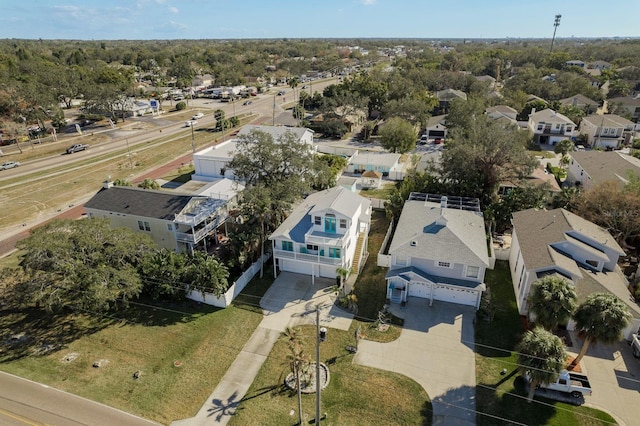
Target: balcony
304,257
201,232
326,239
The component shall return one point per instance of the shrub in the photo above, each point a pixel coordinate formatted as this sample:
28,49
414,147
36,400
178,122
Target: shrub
180,106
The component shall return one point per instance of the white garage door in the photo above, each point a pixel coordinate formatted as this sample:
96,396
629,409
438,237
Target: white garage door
419,289
293,266
456,295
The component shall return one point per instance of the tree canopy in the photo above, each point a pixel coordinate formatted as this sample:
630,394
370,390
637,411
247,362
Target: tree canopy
397,135
553,300
541,355
602,318
82,264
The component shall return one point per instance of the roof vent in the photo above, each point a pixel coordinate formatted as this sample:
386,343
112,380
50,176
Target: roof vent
414,243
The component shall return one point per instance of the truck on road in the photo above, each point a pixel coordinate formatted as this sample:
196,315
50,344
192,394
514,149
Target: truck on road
76,148
571,383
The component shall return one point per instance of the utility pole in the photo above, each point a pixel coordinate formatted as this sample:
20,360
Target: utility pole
556,24
273,119
129,153
318,385
193,145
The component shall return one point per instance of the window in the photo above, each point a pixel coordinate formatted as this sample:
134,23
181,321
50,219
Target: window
473,271
569,129
287,246
170,226
330,224
147,227
334,252
343,223
140,225
317,220
312,247
443,264
539,126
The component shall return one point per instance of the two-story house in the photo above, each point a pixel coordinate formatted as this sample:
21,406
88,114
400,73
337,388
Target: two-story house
558,242
590,168
446,96
608,131
178,222
550,127
326,231
580,101
438,251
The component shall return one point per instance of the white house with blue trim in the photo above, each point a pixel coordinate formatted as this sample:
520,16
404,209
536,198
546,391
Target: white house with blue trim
327,231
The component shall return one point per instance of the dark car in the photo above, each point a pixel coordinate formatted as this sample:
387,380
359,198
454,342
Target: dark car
77,147
247,102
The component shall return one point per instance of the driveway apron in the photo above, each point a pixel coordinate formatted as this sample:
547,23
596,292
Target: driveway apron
436,350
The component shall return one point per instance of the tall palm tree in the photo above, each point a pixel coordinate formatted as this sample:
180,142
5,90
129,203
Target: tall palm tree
296,359
541,355
553,300
601,317
293,83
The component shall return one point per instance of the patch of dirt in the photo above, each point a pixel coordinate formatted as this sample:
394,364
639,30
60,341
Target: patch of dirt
70,357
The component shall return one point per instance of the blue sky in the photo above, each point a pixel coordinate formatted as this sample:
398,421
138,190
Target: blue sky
219,19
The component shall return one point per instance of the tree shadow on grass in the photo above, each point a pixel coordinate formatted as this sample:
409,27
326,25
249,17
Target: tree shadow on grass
29,332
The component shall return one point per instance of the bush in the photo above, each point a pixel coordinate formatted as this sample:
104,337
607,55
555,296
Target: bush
180,106
636,143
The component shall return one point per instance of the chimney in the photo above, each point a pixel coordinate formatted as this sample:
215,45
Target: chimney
442,221
443,203
533,111
107,183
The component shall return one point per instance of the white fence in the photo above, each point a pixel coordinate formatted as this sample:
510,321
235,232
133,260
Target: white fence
377,203
235,289
396,175
384,260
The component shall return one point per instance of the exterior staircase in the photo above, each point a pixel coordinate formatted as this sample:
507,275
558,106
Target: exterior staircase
358,254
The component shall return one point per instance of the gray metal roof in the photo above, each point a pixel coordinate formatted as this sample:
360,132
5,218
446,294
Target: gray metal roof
274,131
550,116
609,120
402,273
426,231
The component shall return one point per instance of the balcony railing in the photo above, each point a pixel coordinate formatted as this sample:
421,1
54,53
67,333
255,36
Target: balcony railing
315,258
200,233
334,240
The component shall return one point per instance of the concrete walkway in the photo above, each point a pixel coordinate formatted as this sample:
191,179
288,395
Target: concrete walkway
290,301
436,350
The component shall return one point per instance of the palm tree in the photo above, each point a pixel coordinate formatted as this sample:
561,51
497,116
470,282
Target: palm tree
206,273
541,355
296,359
293,83
601,317
257,204
553,300
342,273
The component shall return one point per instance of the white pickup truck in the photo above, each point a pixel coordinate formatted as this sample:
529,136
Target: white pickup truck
571,383
635,345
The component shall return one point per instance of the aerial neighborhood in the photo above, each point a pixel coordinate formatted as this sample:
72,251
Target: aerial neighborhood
281,231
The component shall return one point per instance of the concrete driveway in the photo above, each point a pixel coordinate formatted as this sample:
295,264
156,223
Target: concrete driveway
614,375
436,350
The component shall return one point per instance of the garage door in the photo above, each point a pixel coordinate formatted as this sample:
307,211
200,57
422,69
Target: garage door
293,266
456,295
419,289
436,134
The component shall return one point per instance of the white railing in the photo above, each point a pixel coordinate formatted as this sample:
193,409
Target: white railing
340,240
306,257
187,237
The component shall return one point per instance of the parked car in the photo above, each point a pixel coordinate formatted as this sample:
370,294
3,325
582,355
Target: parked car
190,123
635,345
77,147
423,139
197,116
247,102
9,165
571,383
437,141
280,93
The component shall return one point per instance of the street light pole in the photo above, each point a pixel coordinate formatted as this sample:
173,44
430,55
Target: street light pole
318,386
193,145
556,23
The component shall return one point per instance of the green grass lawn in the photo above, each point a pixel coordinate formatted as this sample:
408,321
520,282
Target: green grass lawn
356,395
502,396
203,339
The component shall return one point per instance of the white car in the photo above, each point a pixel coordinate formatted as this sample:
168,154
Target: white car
190,123
197,116
9,165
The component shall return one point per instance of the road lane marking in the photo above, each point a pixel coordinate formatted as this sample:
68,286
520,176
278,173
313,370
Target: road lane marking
19,418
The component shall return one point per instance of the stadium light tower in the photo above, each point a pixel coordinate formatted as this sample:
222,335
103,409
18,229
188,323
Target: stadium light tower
556,24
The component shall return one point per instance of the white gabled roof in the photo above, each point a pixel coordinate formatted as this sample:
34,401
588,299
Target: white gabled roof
550,116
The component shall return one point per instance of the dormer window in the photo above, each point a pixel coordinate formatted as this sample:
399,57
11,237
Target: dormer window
317,220
343,223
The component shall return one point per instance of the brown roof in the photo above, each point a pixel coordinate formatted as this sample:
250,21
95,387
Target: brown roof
538,229
604,166
372,174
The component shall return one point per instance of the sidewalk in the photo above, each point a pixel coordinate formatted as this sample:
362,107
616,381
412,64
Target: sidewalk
290,301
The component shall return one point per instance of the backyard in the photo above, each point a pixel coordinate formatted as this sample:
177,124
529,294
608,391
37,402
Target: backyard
500,397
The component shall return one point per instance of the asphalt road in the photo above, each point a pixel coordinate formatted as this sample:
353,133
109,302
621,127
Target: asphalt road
23,402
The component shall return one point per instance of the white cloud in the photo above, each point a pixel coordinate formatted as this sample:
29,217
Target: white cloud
173,9
368,2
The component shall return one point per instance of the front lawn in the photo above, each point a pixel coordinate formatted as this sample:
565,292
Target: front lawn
500,398
181,352
356,395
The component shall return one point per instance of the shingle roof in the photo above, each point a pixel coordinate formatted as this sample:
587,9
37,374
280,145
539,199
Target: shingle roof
578,100
375,158
609,120
339,199
605,166
139,202
449,94
537,230
548,115
459,238
503,109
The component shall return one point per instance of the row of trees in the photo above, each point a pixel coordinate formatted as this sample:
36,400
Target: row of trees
88,266
601,318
